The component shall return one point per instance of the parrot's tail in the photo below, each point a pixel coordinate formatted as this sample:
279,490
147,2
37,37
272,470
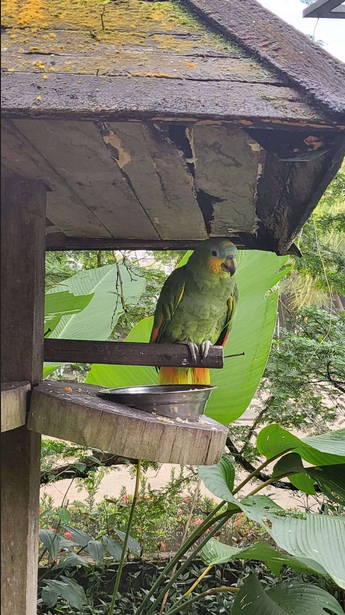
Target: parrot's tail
184,375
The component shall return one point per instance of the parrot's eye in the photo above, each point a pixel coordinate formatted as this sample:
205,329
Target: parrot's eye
214,253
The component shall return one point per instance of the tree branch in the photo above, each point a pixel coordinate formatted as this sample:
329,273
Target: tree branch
335,383
71,470
246,465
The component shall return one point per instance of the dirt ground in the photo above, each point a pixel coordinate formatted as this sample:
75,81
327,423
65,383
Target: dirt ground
118,477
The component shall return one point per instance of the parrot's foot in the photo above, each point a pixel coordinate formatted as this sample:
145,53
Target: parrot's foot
194,351
204,349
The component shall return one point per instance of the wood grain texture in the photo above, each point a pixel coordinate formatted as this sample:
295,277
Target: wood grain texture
198,64
20,489
158,173
279,45
289,191
22,277
113,98
23,211
244,241
86,419
79,155
226,170
127,353
64,208
14,404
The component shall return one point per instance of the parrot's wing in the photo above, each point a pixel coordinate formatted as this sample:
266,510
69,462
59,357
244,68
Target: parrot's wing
232,304
170,297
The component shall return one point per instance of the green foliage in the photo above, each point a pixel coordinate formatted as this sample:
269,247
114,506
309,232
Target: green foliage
215,552
317,541
109,286
304,379
322,243
256,276
290,598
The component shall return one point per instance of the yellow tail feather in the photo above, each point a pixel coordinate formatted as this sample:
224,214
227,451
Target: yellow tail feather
184,375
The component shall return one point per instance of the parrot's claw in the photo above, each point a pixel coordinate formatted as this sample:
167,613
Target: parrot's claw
204,349
194,351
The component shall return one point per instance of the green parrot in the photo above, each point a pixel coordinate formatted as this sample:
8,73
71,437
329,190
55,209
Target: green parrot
197,306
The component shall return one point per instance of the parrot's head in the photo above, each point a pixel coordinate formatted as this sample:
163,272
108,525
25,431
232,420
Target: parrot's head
215,257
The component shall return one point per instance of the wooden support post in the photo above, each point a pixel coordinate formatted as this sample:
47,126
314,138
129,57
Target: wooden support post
22,314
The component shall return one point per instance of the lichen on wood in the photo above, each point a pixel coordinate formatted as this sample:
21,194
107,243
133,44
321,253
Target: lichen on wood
127,37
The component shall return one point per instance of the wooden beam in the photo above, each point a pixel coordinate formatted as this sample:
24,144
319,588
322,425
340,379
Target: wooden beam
127,353
120,98
14,404
82,417
327,9
23,212
59,241
245,241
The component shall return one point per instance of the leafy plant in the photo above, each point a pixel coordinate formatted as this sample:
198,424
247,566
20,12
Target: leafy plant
102,309
257,274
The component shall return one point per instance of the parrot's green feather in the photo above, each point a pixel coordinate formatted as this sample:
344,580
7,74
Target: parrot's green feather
196,304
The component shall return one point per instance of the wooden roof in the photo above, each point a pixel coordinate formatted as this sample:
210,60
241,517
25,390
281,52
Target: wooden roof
155,126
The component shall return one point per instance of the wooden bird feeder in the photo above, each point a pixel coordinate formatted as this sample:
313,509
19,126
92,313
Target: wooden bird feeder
143,126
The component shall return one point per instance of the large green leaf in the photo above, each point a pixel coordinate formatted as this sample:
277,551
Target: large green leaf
133,545
219,479
126,375
64,303
215,552
97,320
331,480
65,587
318,541
51,542
114,548
251,333
288,598
327,449
96,549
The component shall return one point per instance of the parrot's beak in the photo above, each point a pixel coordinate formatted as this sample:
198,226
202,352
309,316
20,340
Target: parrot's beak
230,265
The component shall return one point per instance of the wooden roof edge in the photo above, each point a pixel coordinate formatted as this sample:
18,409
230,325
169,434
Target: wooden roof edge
58,241
320,75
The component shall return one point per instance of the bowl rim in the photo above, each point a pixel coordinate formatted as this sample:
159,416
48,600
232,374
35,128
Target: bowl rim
156,391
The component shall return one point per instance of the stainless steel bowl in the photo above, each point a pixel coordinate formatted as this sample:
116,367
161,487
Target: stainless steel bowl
183,401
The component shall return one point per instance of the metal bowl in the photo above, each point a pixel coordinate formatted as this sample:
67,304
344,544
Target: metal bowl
184,401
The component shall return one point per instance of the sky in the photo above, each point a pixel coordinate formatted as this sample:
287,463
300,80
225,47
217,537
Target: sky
330,31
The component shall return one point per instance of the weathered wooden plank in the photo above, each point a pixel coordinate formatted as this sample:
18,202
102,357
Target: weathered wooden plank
157,170
127,353
22,315
110,98
136,62
84,418
227,165
244,241
14,402
280,45
77,152
288,192
64,207
22,277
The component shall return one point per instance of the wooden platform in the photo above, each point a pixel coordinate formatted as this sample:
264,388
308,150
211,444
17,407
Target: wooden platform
80,416
14,399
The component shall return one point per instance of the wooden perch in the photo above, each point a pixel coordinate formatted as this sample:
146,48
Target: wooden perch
127,353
